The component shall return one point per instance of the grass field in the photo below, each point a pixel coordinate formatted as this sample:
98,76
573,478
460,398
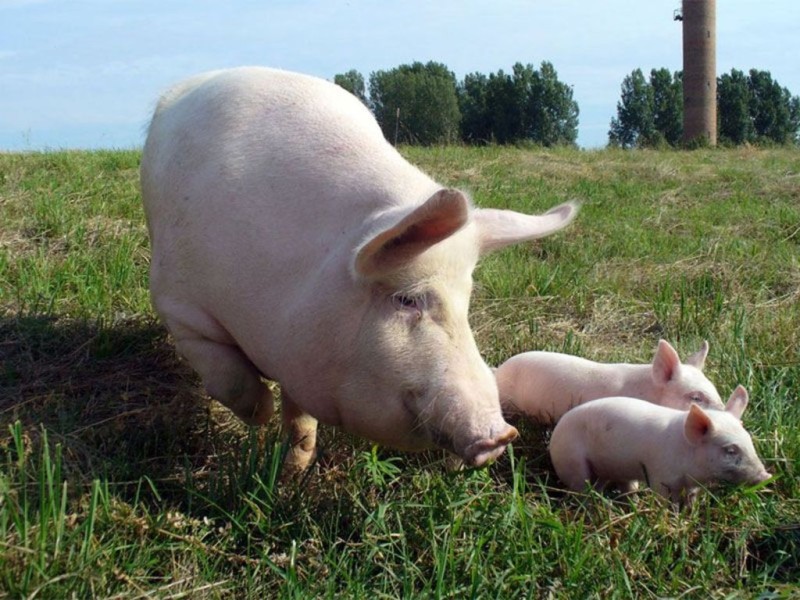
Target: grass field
120,479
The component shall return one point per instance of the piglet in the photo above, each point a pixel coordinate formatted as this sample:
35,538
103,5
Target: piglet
621,441
545,385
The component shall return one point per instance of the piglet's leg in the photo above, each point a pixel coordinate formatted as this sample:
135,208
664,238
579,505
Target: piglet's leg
301,430
627,487
576,473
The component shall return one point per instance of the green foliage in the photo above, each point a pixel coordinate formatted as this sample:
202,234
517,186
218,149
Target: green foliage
550,115
473,101
755,109
750,109
775,114
634,124
528,105
733,98
504,106
423,104
667,106
353,82
416,103
119,479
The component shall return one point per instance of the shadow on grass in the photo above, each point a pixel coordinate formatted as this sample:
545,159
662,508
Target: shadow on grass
124,408
780,545
114,395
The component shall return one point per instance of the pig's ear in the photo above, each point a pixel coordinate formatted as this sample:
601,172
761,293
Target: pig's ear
698,359
438,218
501,228
665,363
697,425
737,402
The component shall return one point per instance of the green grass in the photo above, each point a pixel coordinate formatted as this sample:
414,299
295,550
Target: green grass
120,479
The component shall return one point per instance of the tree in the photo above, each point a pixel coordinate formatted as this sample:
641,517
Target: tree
750,109
476,124
526,105
353,82
504,108
771,109
634,124
425,96
550,115
754,108
667,105
733,108
649,113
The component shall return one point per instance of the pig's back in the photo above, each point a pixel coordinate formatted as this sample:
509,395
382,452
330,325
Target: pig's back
545,385
618,413
252,139
616,435
258,184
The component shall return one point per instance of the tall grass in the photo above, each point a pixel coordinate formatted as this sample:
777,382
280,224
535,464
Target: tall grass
119,479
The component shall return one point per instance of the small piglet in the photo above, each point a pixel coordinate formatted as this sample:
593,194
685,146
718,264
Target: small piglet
545,385
621,441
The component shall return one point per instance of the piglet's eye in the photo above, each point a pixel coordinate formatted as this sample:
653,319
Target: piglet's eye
732,450
698,399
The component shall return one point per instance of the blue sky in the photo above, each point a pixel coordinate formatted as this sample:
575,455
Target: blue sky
86,73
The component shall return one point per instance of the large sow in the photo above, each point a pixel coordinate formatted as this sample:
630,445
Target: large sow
290,241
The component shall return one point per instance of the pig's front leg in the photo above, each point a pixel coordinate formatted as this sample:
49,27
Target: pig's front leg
627,487
230,378
577,474
300,428
687,497
680,494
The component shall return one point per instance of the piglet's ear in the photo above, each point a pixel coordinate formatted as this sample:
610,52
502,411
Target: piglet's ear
501,228
438,218
698,359
697,425
737,402
665,363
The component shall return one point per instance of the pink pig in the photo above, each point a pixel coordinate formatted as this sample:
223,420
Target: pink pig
622,441
290,241
545,385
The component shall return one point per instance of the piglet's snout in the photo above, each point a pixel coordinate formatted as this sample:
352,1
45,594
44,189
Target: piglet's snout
762,476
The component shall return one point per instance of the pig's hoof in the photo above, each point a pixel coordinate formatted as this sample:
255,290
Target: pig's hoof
453,462
297,461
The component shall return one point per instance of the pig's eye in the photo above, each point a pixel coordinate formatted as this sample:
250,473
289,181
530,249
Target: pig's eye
731,449
698,398
407,302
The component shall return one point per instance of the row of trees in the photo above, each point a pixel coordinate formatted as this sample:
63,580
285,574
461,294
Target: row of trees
425,104
751,108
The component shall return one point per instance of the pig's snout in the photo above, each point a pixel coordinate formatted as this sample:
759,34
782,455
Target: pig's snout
762,476
479,453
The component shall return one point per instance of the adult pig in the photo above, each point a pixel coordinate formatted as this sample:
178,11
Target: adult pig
622,441
291,241
545,385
